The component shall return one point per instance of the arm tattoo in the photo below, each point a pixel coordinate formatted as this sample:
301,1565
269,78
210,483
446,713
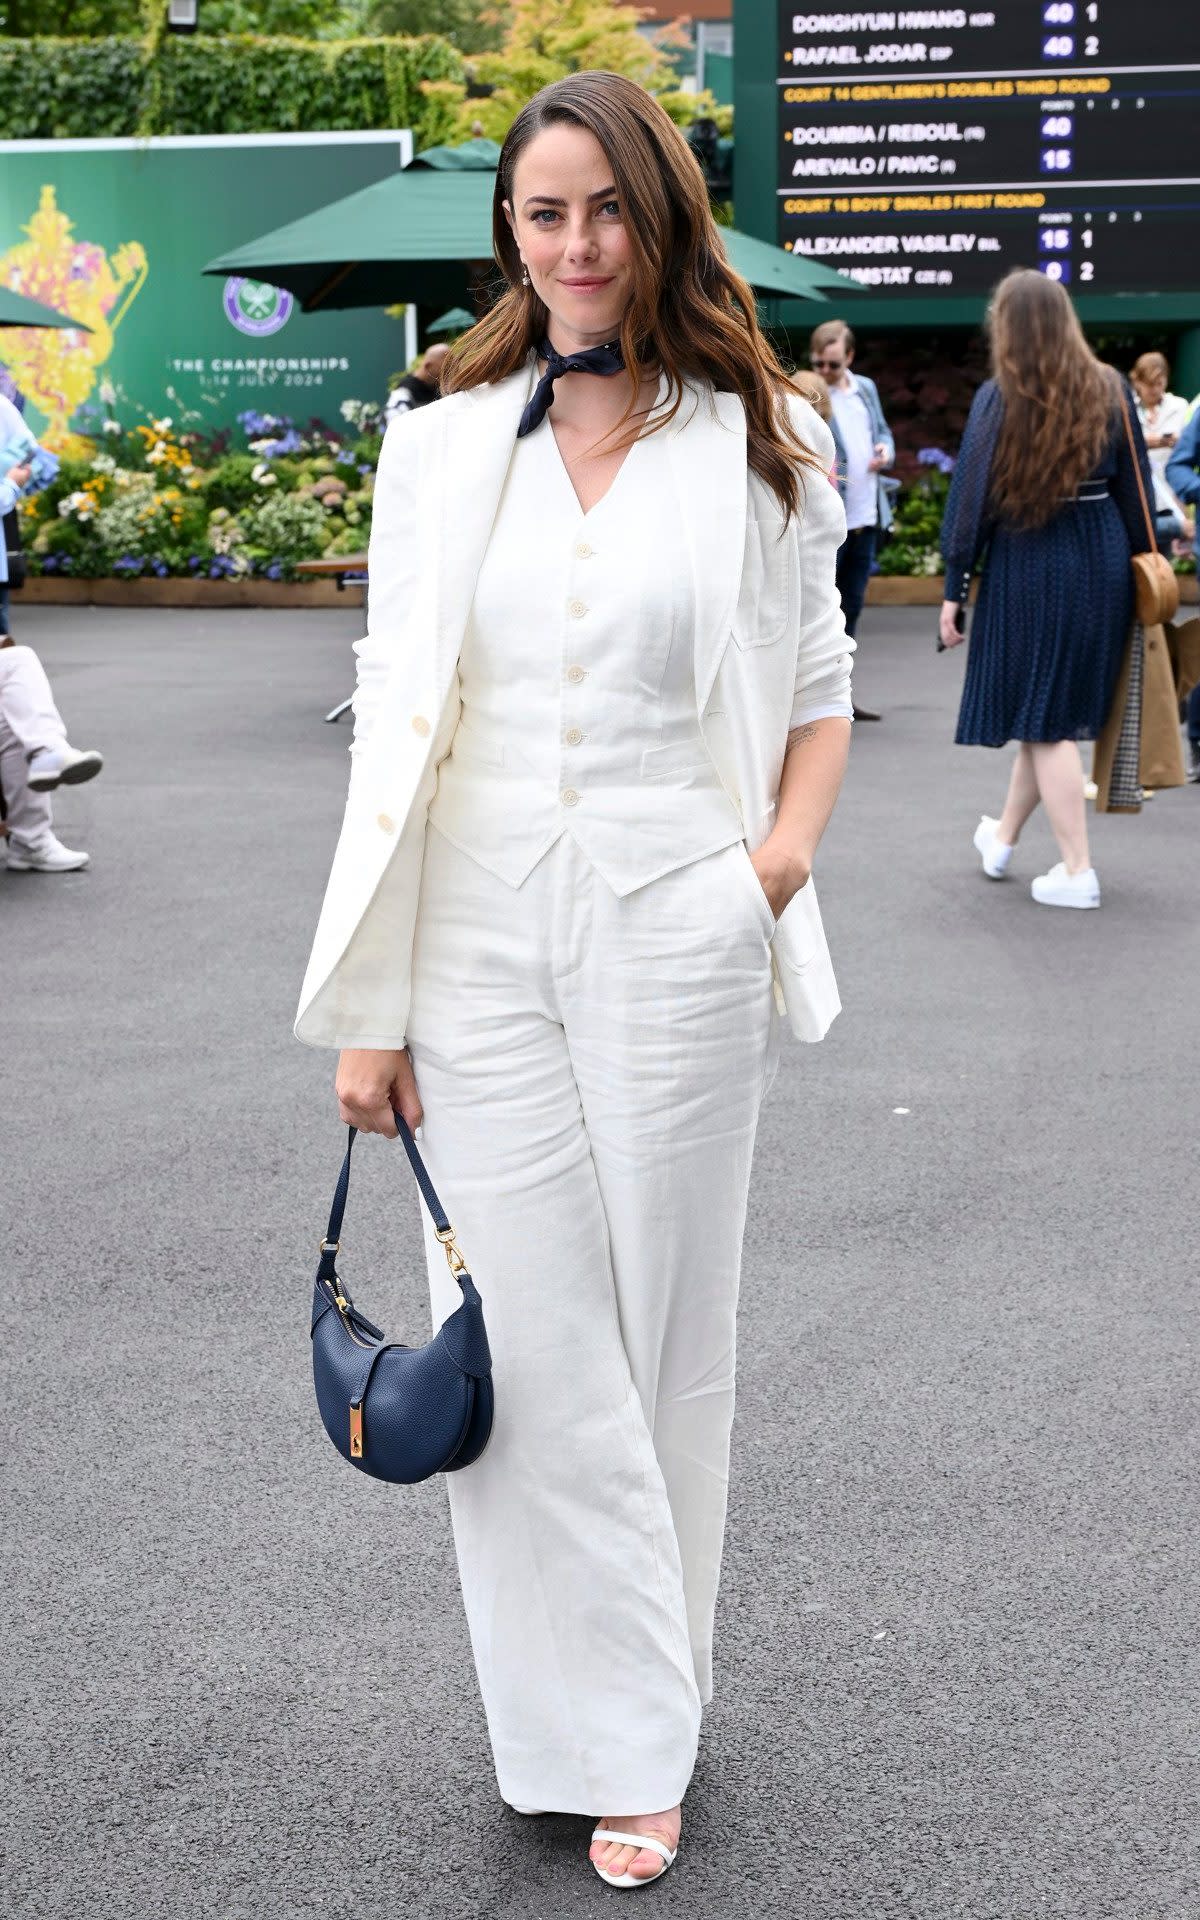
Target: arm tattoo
799,735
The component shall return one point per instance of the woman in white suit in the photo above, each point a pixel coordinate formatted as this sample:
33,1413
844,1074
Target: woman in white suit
602,716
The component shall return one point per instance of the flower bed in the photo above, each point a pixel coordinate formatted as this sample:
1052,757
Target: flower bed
151,501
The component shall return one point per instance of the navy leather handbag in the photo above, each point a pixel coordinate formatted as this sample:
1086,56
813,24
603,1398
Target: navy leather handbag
400,1413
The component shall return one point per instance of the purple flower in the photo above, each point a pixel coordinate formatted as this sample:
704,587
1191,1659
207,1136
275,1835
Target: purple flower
935,457
128,565
256,425
50,563
160,567
290,442
273,571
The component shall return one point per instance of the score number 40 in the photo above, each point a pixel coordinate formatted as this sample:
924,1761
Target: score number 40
1061,46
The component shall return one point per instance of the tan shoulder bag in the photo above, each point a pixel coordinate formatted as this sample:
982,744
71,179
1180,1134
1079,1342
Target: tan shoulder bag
1155,583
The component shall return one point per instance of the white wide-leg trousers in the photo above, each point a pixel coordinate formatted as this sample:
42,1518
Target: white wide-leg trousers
28,719
591,1068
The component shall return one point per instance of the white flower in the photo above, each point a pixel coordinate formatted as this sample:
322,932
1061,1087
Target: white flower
157,454
161,426
107,392
80,504
262,475
104,463
112,426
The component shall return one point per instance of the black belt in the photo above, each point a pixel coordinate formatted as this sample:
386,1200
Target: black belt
1090,490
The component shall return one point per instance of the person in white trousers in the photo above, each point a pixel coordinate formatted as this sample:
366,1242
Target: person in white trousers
602,715
35,758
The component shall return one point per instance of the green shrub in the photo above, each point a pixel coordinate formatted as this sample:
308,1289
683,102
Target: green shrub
58,89
231,482
912,542
193,83
287,527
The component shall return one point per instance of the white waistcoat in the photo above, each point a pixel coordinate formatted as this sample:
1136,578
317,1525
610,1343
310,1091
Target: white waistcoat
771,652
577,681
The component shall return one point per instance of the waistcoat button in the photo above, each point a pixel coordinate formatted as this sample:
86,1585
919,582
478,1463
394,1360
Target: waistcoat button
576,674
573,736
569,797
576,609
583,550
420,725
386,822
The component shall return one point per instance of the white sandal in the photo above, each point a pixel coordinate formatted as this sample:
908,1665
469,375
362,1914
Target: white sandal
638,1840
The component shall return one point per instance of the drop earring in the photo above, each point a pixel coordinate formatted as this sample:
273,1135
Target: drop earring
524,276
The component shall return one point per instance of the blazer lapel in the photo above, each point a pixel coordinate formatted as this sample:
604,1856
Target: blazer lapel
477,445
708,452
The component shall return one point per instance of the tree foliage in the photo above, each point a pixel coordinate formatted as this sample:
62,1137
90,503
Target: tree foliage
475,26
546,39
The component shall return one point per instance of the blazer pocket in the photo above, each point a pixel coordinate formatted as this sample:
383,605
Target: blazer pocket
680,758
764,608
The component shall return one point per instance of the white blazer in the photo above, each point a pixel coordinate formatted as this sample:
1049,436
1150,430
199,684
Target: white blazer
769,623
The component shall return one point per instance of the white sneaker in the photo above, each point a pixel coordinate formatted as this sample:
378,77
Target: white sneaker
1058,888
49,856
994,853
65,766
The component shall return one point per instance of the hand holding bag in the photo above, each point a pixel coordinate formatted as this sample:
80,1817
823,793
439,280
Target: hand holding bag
1155,582
400,1413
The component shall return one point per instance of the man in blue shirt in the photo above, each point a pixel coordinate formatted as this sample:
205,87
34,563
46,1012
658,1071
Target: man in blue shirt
864,446
1183,478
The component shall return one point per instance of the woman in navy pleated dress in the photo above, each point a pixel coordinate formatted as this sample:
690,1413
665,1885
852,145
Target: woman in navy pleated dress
1046,491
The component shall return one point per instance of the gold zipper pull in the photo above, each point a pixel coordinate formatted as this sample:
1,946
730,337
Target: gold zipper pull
356,1433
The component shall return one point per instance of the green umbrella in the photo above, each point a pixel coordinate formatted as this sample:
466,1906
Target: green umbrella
473,156
457,320
17,311
412,237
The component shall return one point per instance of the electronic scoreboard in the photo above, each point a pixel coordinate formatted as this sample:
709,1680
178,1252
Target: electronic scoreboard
933,148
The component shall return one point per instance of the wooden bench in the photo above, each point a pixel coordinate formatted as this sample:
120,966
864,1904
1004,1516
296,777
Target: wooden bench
349,570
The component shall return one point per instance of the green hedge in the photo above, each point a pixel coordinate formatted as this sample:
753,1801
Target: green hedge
59,89
64,89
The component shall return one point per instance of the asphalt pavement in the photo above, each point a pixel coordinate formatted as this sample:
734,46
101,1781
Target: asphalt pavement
956,1663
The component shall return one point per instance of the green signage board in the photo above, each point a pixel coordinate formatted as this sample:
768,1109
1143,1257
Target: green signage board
117,232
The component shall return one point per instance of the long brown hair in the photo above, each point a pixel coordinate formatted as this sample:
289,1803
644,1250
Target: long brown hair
1059,400
689,313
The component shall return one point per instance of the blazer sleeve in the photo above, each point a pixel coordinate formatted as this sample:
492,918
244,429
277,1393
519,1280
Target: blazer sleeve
392,567
822,688
1183,468
883,432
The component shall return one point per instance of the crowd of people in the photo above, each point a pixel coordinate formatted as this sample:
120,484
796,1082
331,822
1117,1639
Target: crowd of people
1054,600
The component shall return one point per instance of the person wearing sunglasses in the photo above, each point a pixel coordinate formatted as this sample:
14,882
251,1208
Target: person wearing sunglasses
864,447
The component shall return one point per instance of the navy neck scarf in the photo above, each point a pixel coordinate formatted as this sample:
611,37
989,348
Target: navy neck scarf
606,359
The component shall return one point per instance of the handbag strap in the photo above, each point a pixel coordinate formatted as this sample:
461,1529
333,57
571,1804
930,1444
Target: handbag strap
1151,542
437,1212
